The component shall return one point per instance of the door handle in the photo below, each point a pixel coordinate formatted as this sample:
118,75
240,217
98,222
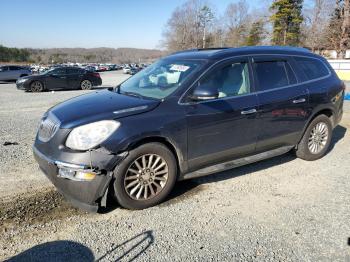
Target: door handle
247,112
298,101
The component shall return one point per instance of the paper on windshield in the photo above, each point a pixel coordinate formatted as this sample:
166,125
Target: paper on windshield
181,68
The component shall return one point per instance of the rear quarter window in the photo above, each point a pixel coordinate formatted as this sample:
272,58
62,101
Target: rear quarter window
311,67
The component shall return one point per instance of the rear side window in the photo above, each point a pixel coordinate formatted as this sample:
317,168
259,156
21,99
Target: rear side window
74,71
15,68
312,68
273,74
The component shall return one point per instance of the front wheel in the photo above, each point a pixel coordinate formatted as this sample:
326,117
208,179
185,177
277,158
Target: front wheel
86,85
145,177
36,86
316,139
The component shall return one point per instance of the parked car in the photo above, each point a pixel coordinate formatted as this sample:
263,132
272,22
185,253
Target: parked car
60,78
102,68
134,70
126,70
90,68
190,114
12,73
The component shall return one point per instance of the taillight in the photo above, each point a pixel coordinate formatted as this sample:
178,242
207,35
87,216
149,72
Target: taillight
96,74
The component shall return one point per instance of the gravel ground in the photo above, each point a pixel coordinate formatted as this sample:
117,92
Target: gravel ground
279,209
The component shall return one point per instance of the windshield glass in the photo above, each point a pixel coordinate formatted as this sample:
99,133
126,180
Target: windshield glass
159,79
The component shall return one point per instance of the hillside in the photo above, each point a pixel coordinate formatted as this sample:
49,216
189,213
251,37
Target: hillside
98,55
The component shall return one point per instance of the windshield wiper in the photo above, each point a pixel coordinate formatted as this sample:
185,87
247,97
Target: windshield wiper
132,94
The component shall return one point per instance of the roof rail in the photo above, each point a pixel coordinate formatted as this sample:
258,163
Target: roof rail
200,49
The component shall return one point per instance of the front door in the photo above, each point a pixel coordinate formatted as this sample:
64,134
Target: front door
222,129
57,79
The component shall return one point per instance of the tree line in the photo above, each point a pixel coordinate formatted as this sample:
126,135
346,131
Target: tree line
317,24
14,54
78,55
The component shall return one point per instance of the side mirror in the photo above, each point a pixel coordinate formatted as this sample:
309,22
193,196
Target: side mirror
204,92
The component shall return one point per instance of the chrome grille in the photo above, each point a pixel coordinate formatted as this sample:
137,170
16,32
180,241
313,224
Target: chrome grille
48,127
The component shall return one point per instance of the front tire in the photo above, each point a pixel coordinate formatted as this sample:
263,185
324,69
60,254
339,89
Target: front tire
316,139
145,177
36,86
86,85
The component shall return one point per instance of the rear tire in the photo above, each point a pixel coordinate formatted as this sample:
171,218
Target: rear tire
316,139
86,85
36,86
149,181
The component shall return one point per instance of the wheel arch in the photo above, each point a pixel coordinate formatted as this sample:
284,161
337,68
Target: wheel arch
166,142
327,111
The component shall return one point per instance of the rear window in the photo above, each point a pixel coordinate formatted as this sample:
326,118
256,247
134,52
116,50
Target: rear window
273,74
312,68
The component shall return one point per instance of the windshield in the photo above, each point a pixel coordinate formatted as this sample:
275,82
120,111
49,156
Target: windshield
159,79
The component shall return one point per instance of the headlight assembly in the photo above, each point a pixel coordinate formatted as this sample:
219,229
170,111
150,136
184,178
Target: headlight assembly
89,136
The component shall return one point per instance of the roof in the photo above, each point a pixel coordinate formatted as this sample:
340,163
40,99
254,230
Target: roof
219,53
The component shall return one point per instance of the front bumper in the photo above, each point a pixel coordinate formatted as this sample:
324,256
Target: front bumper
82,194
21,86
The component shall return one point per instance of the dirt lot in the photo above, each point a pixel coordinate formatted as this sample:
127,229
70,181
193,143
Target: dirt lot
278,209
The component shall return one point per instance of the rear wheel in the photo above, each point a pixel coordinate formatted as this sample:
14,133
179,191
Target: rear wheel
37,86
145,177
86,85
316,139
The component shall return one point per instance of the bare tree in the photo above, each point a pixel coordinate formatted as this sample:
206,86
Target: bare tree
237,22
316,22
189,26
345,30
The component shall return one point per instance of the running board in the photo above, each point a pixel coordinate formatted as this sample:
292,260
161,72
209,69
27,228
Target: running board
237,163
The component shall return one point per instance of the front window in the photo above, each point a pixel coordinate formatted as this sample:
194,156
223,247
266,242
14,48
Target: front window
160,79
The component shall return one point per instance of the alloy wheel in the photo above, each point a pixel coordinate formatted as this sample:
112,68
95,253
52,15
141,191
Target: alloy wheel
86,85
318,138
146,177
36,86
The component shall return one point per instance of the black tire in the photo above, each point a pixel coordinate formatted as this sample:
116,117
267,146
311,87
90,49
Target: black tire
303,150
36,86
86,84
120,191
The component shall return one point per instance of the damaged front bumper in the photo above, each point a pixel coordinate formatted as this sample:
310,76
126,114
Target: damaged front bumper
84,184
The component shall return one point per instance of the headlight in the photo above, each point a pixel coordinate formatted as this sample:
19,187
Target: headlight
88,136
21,80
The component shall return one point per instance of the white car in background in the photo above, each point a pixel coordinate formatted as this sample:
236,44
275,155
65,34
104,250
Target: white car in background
126,70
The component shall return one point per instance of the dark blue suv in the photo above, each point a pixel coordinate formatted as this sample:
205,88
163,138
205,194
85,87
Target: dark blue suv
190,114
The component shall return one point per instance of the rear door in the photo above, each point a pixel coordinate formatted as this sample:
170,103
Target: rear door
283,102
222,129
14,72
74,77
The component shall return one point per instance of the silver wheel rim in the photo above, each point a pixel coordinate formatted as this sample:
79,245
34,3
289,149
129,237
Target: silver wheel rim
318,138
36,86
86,84
146,177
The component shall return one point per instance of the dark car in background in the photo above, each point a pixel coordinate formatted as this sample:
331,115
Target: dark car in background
60,78
12,73
190,114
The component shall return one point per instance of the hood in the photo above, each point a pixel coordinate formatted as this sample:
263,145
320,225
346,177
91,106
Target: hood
100,105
